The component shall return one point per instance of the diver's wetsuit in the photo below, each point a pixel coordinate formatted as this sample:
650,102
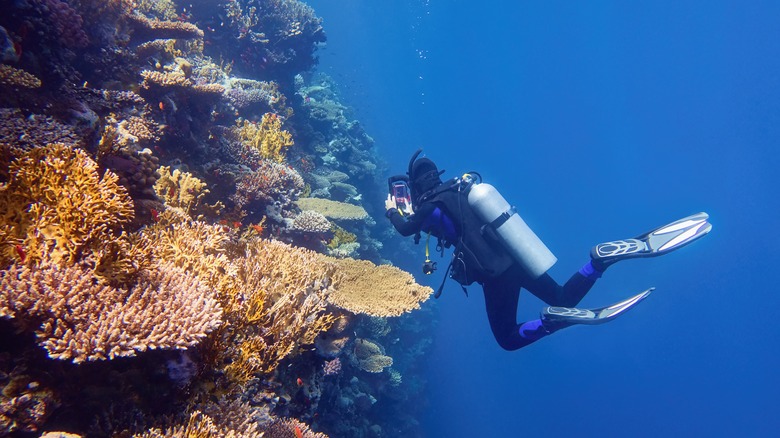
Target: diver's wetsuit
503,291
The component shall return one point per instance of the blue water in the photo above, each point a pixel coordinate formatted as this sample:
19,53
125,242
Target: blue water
599,120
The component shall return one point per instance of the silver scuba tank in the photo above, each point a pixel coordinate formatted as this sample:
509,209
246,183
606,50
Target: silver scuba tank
518,239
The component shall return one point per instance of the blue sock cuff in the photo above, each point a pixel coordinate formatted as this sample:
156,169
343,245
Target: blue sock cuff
589,272
532,330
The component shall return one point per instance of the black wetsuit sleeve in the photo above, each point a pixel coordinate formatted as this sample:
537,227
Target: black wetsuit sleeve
407,226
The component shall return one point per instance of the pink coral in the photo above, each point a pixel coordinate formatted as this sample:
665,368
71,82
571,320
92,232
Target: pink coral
80,320
67,22
332,367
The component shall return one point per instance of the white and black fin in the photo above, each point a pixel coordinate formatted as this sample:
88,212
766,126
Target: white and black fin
654,243
559,317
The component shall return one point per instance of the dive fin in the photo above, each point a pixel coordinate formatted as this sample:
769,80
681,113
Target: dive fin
654,243
556,318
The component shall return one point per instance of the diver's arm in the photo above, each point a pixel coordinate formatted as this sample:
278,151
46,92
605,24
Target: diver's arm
409,225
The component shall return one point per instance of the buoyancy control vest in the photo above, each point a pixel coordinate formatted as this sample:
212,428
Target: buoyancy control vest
491,236
478,255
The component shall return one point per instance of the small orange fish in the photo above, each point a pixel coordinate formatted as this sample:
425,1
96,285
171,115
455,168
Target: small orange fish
258,228
299,381
236,224
298,433
162,107
23,255
155,215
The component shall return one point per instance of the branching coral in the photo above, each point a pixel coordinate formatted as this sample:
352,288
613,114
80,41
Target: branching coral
14,77
291,428
294,283
27,132
273,293
183,190
176,80
164,29
81,320
267,136
56,204
382,290
270,182
201,425
310,222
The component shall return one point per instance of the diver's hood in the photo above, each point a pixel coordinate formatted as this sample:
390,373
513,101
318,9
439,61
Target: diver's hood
424,175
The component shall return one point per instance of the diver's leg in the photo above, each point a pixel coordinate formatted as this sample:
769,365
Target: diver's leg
570,294
501,297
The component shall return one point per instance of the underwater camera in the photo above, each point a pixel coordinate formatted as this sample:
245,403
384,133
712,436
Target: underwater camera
398,187
429,267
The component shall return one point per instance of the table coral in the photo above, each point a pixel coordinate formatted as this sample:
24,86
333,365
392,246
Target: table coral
382,290
333,209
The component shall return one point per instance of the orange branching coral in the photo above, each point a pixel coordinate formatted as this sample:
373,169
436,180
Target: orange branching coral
382,290
81,320
332,209
198,248
183,190
267,137
57,205
287,304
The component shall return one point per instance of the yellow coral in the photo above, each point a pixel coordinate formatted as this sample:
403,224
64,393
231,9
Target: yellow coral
57,205
340,237
267,137
183,190
370,356
382,290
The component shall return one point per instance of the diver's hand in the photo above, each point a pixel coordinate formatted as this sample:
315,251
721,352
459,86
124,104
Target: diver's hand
390,203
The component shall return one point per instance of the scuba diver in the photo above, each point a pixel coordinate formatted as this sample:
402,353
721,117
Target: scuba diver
495,248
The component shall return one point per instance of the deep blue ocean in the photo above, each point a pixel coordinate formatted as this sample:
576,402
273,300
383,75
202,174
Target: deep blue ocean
599,120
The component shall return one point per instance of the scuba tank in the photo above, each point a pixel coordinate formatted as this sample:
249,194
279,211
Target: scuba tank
518,239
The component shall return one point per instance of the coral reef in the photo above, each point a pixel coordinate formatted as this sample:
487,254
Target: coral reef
153,242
